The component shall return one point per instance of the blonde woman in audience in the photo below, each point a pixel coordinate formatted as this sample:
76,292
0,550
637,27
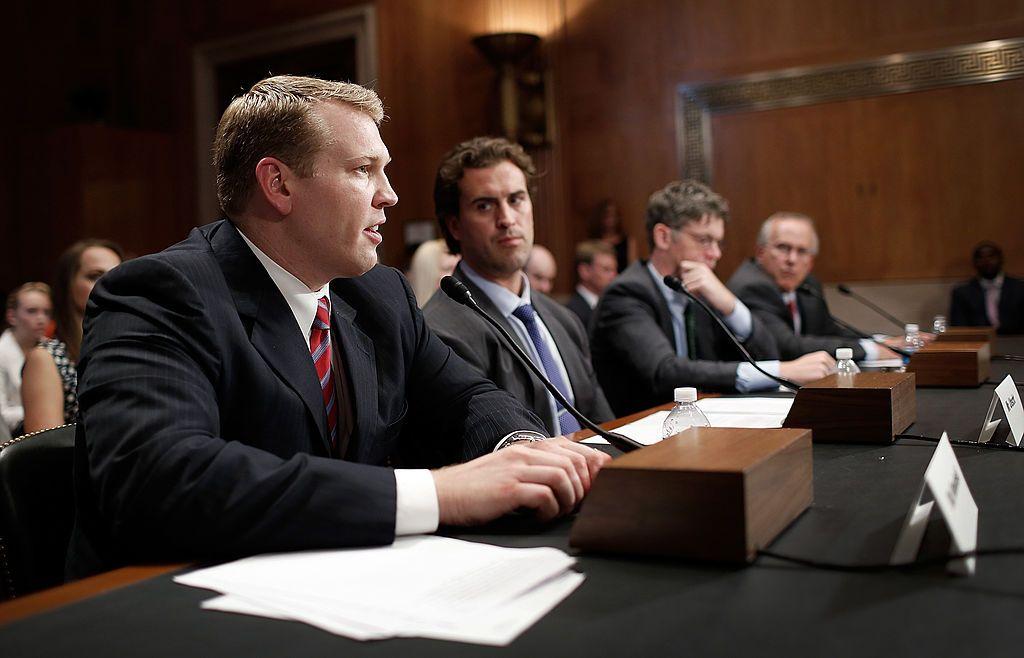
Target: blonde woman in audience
430,263
50,380
28,314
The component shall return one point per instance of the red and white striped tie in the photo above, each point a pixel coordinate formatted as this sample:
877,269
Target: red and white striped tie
320,350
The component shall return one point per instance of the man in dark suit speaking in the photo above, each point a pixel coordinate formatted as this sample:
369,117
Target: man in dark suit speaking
262,386
770,285
482,203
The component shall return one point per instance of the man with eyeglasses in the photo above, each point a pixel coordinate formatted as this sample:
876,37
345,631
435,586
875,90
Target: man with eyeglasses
648,339
770,286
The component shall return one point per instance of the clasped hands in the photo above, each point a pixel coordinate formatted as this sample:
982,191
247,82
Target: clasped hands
550,477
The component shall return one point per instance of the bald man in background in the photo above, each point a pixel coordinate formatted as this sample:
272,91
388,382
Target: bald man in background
542,269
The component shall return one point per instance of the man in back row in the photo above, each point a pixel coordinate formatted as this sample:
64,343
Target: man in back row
596,268
262,386
649,339
779,289
482,202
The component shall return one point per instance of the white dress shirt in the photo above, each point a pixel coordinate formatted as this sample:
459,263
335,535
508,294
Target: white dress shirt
741,323
589,297
507,302
416,496
12,360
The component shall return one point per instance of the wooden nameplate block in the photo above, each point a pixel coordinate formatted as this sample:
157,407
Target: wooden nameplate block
709,493
951,364
866,407
967,334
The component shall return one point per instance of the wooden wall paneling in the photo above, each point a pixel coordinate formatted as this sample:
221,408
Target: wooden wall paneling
624,57
900,186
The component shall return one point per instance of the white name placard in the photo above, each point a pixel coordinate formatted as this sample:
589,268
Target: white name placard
948,490
1007,395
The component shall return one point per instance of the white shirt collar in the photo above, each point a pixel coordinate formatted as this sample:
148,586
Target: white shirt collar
589,297
788,296
992,284
301,300
504,299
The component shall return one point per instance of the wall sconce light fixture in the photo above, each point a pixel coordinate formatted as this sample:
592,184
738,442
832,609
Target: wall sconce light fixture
525,114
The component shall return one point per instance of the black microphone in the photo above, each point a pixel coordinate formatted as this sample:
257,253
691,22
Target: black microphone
675,283
461,294
843,288
804,287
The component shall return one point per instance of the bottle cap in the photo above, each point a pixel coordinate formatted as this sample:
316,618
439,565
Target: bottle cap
844,353
685,394
911,328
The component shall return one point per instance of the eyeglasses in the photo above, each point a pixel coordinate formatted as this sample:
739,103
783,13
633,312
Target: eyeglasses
705,242
783,249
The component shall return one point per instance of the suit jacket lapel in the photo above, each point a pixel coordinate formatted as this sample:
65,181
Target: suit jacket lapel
660,305
269,321
361,368
539,391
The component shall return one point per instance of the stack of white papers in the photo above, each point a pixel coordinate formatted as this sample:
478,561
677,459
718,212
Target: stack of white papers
721,412
421,586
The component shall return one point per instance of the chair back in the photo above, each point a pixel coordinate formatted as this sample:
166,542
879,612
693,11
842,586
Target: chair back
37,509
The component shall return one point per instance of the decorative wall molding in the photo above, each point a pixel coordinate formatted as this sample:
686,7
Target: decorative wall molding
989,61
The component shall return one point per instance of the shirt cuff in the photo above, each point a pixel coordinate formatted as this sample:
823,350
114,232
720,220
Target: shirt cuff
416,510
740,322
748,379
870,349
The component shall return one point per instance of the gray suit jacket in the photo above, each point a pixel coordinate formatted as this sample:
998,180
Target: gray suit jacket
818,330
634,346
479,344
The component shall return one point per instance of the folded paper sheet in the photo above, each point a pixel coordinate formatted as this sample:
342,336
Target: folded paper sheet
421,586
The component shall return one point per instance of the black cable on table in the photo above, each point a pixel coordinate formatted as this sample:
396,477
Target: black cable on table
885,566
960,442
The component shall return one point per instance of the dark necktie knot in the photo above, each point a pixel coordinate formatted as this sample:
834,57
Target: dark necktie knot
525,313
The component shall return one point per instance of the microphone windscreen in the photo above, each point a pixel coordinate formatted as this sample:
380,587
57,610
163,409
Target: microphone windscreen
843,288
455,289
674,283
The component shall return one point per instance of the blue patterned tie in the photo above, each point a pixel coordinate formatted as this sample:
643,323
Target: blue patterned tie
566,422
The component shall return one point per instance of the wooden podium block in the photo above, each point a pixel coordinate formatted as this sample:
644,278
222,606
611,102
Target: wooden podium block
708,493
967,334
951,364
867,407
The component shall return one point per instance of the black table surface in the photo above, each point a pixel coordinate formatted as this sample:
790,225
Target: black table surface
642,605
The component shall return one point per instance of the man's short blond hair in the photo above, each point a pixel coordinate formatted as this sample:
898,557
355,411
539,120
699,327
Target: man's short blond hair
275,119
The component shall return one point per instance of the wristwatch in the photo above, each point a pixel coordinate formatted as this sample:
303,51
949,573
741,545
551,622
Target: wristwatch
519,436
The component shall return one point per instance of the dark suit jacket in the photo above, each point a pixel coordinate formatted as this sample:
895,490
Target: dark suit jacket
634,346
818,330
202,430
581,308
967,306
479,344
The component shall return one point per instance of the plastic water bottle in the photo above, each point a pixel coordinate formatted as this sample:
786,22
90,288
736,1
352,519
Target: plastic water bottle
844,362
685,414
912,338
939,324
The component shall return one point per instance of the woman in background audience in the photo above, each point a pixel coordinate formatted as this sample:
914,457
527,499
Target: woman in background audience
429,264
29,309
50,380
607,227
